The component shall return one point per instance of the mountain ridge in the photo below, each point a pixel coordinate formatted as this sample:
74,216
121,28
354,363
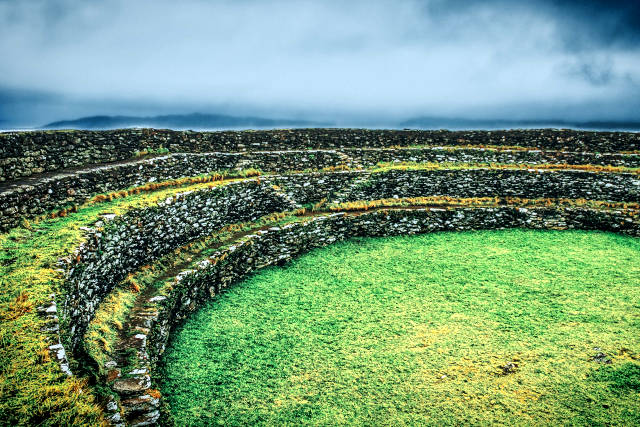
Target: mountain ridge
200,121
175,121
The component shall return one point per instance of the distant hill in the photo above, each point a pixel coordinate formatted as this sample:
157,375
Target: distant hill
458,123
198,121
178,121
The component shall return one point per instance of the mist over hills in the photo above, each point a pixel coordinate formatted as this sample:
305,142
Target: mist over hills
179,121
463,123
199,121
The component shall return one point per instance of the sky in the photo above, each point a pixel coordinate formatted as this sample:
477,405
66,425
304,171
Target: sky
362,62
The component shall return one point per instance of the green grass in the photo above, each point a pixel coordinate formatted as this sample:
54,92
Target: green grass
102,334
415,330
33,390
386,166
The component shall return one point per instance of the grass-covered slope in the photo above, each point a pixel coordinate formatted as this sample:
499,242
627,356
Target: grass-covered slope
33,389
506,327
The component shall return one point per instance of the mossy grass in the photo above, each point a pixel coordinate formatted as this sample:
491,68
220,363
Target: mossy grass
452,202
384,166
490,147
150,151
492,327
103,331
32,388
487,147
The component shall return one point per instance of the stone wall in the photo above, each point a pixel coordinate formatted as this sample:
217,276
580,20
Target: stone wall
370,157
26,153
43,171
491,182
398,183
38,195
124,243
191,288
41,196
141,235
282,243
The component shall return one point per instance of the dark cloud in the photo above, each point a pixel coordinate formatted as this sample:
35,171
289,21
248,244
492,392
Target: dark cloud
600,23
348,62
596,74
578,25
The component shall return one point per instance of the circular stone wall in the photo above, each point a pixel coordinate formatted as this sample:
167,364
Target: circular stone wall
445,328
315,187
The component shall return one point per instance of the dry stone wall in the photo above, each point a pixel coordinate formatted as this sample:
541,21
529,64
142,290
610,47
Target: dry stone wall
38,195
282,243
42,171
398,183
276,245
41,195
133,239
26,153
370,157
142,235
490,182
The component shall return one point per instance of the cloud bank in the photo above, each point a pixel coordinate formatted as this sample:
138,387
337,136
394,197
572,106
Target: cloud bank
350,62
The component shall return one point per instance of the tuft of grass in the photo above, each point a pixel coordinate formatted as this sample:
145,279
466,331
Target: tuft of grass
492,327
103,330
363,205
214,177
622,378
150,150
385,166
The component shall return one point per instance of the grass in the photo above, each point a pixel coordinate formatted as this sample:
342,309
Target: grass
150,150
384,166
446,328
102,334
445,201
33,390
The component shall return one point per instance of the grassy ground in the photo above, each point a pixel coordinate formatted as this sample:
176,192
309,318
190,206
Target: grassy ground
33,390
446,328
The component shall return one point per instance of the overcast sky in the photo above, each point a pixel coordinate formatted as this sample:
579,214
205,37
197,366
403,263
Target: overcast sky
346,61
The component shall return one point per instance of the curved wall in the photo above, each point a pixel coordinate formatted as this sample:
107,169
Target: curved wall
41,193
141,235
370,157
505,183
38,195
42,171
283,243
276,245
26,153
